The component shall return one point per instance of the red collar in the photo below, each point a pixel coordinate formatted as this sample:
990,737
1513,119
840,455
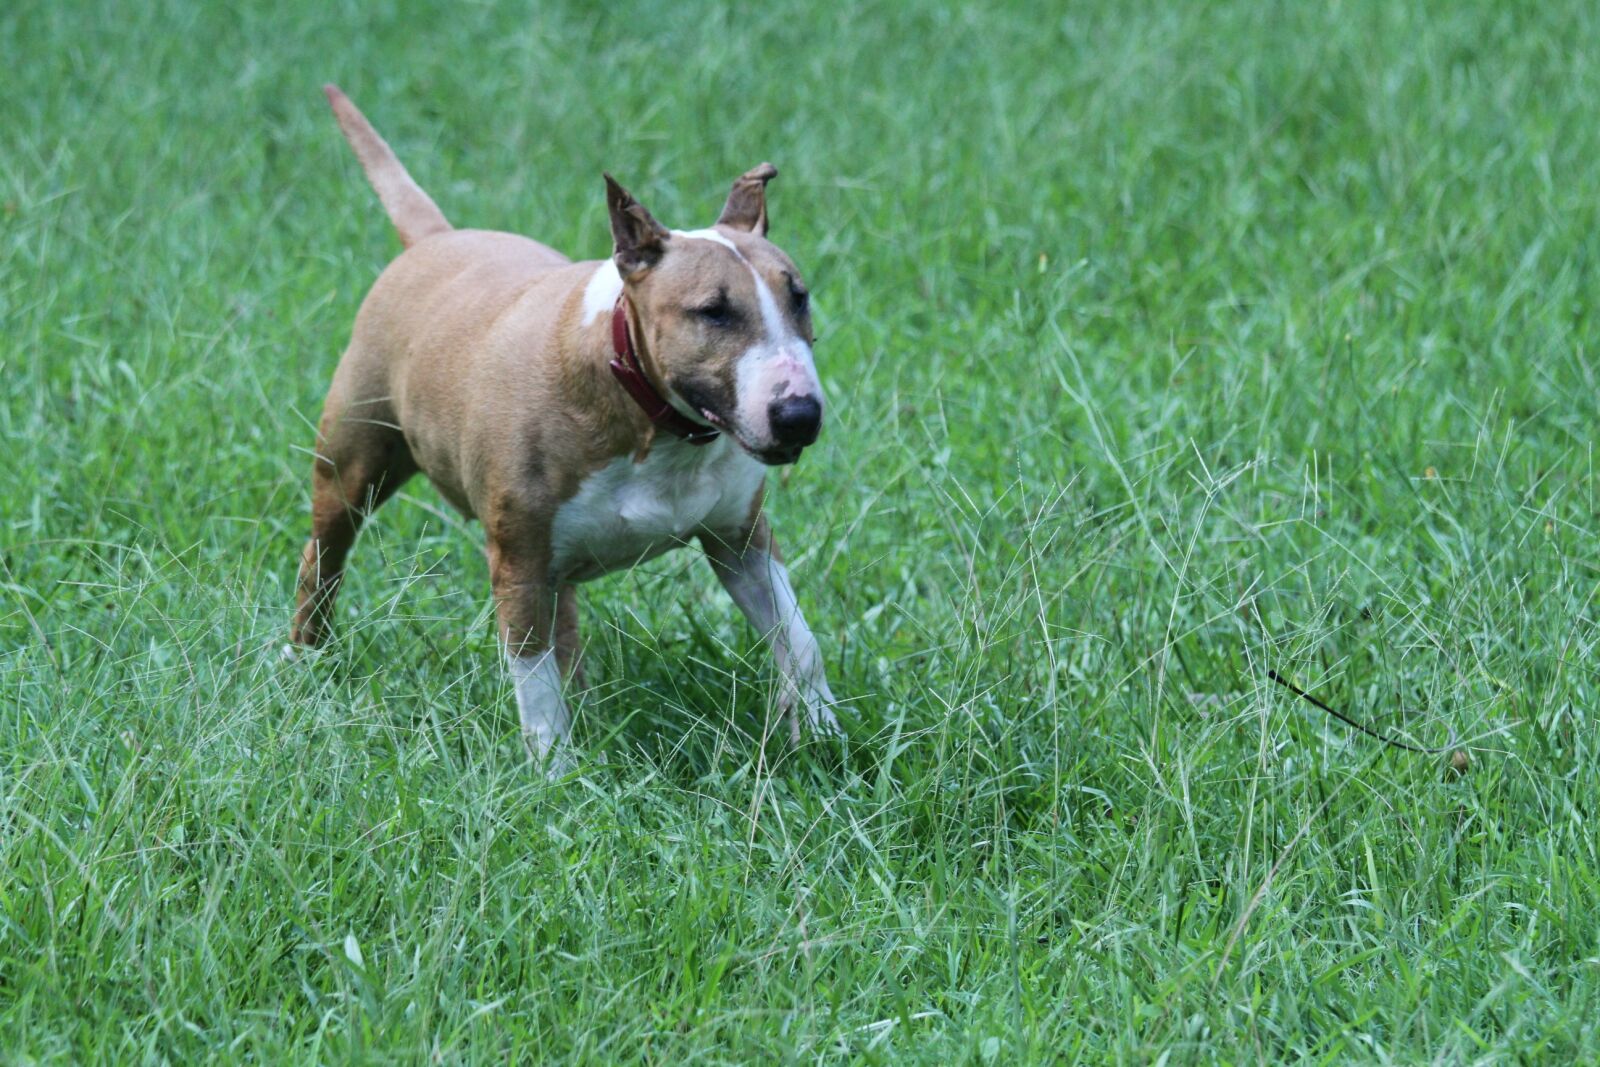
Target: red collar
630,372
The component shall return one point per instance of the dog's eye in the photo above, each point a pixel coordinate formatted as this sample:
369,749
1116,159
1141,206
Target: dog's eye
801,298
717,313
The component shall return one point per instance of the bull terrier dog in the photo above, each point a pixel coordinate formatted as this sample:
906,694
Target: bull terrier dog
590,415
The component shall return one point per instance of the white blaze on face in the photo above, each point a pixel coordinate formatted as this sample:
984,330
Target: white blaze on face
779,365
712,236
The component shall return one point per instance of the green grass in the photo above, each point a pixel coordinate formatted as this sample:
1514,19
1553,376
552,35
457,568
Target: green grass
1167,344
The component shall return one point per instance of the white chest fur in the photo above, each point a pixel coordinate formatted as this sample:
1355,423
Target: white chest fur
629,512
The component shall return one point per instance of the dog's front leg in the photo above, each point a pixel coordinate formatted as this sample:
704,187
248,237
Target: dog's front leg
750,570
525,601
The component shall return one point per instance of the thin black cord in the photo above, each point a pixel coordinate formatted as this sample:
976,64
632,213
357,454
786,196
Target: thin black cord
1363,727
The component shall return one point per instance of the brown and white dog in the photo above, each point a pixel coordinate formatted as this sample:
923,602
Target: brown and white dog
591,415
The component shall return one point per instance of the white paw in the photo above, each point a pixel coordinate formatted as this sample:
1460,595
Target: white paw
810,707
290,652
556,761
542,712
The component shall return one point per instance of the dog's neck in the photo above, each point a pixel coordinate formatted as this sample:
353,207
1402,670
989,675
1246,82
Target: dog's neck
650,393
593,378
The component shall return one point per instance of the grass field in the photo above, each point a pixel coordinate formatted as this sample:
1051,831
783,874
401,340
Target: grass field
1166,345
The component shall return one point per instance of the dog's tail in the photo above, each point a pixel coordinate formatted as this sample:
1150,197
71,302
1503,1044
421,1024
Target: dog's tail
411,210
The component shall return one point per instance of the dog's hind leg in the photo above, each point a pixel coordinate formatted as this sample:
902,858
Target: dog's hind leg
360,463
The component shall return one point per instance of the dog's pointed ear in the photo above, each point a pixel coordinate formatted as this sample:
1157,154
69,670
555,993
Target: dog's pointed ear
637,238
746,208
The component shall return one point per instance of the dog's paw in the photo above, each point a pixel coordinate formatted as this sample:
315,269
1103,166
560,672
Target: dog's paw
821,721
554,761
557,763
810,712
293,652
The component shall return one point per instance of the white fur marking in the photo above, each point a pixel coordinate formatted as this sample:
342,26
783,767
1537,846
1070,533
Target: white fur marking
627,512
545,722
710,235
600,295
777,329
761,589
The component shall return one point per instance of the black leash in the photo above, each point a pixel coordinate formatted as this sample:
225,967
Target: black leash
1363,727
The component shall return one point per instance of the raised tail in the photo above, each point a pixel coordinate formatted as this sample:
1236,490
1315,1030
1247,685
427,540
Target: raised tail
412,211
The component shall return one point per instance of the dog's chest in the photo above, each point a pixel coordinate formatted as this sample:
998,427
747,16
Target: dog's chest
629,512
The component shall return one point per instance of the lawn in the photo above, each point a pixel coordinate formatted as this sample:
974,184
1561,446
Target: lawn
1166,345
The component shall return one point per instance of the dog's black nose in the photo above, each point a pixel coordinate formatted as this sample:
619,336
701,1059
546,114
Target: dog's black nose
796,420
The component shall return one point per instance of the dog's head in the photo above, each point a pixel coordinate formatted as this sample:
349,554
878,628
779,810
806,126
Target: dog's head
723,319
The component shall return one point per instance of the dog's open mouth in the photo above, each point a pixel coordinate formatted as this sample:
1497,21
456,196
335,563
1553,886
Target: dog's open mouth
772,457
